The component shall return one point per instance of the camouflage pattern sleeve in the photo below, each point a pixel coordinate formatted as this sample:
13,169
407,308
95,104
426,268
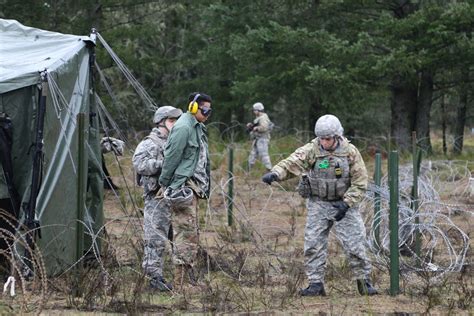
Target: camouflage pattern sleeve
148,158
359,178
299,161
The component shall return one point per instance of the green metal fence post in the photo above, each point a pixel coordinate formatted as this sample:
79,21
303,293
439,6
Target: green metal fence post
81,183
230,193
377,180
389,150
393,224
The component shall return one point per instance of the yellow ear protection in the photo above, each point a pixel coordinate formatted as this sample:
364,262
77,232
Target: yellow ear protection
193,105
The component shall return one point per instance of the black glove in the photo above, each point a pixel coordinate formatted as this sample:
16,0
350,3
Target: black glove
269,177
342,208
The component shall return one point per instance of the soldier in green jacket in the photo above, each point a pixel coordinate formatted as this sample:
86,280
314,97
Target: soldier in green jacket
185,177
334,181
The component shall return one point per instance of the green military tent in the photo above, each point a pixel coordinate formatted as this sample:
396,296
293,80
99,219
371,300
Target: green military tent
63,157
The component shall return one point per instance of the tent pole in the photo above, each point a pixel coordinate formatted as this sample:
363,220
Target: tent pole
33,225
81,184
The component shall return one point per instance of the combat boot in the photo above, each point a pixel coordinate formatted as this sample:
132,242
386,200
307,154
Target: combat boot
365,288
159,284
314,289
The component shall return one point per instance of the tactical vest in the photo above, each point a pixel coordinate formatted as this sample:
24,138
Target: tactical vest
330,178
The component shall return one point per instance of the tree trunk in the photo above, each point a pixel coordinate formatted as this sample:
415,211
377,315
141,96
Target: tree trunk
314,112
443,124
404,89
425,98
403,108
461,114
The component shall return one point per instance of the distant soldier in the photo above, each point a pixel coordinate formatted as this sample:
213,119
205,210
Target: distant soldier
147,161
260,135
334,181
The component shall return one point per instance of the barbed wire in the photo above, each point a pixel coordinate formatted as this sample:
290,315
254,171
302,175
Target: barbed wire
267,229
431,219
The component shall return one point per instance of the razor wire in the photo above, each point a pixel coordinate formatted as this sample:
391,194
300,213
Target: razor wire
13,239
438,234
17,260
271,237
435,226
444,244
437,229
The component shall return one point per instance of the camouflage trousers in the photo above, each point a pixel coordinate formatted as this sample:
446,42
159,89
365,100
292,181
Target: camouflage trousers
185,234
350,231
260,150
156,226
158,216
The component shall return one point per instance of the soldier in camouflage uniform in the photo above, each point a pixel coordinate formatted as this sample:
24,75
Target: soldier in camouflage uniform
147,161
260,135
333,180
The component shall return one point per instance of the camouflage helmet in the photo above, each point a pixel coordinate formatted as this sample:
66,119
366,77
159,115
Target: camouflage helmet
257,106
328,125
165,112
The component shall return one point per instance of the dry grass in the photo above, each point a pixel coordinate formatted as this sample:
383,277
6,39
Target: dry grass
256,266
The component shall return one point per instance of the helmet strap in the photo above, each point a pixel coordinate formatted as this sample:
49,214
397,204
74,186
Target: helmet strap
336,143
162,124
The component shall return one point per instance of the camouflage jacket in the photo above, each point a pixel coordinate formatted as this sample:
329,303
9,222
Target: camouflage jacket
304,158
148,160
261,127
